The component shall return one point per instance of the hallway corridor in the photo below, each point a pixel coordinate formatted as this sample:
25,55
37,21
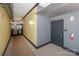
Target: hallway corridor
18,47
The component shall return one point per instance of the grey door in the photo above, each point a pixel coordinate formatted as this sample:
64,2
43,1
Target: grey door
57,32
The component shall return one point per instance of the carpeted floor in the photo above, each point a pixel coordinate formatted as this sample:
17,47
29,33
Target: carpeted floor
19,46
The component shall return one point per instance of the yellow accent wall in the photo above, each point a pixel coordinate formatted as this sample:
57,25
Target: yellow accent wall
4,29
30,26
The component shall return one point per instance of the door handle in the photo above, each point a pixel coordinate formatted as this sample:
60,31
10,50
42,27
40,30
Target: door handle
65,30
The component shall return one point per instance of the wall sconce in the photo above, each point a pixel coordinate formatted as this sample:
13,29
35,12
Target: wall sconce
31,22
72,18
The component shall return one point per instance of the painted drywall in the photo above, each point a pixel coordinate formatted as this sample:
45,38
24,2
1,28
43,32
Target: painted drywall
72,27
30,26
4,29
43,29
38,32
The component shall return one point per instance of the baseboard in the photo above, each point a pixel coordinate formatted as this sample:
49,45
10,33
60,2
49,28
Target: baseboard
43,44
75,52
30,41
37,47
6,46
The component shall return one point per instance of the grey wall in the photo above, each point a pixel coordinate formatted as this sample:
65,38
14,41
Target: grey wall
72,27
43,29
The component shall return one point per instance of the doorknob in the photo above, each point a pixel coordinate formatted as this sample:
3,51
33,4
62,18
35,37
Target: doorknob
65,30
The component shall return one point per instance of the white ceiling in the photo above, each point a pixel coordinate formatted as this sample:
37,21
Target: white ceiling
49,9
55,9
44,4
21,9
